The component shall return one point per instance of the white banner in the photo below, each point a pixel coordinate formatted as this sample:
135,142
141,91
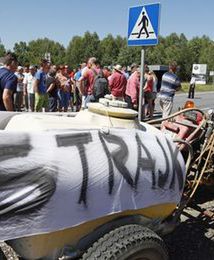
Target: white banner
58,179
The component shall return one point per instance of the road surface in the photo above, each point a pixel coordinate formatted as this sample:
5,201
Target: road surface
202,100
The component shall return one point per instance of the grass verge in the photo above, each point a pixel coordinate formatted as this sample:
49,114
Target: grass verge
198,88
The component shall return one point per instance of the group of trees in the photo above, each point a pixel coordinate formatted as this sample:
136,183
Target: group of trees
112,50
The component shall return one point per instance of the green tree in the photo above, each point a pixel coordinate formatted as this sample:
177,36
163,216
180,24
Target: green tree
2,50
207,56
206,50
82,48
156,54
121,42
172,48
197,46
129,55
39,47
108,50
91,47
112,50
176,49
200,50
22,52
74,52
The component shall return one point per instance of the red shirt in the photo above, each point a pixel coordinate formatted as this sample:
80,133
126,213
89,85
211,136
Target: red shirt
133,86
89,76
117,83
149,84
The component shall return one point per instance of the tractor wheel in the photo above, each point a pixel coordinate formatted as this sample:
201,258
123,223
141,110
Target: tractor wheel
2,256
130,242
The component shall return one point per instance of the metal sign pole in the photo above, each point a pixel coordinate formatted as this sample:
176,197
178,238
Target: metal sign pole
141,94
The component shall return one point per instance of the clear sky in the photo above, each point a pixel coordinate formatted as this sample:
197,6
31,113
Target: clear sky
25,20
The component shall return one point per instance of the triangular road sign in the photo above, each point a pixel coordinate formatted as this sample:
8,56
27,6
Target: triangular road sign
142,26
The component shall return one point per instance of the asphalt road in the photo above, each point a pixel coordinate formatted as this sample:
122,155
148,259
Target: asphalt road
202,100
193,239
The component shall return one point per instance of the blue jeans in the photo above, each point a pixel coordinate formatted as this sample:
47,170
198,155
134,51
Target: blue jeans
88,99
63,99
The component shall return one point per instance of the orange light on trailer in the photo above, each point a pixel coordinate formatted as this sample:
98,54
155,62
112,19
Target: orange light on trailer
189,104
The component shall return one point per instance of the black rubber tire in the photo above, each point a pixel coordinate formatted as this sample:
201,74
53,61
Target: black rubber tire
129,242
2,256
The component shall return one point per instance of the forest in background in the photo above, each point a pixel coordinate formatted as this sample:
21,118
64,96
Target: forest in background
112,50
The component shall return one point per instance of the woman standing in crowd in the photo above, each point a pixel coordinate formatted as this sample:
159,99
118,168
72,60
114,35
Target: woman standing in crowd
64,89
148,94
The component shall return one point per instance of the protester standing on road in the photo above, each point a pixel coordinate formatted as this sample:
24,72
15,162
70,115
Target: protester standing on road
64,89
8,82
192,87
169,85
76,88
28,89
26,103
125,72
148,107
88,75
82,83
117,83
41,97
154,88
132,87
19,89
51,84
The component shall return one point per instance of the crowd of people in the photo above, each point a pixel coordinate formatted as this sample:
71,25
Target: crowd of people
50,88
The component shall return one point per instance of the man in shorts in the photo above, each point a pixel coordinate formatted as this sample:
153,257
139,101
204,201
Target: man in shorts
41,96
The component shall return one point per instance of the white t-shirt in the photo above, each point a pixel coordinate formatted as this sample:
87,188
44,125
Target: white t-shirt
29,78
192,81
155,83
20,85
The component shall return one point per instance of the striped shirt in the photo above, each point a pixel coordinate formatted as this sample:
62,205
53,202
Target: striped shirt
170,83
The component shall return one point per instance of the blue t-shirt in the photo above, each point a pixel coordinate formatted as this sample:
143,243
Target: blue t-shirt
169,84
41,77
77,75
8,80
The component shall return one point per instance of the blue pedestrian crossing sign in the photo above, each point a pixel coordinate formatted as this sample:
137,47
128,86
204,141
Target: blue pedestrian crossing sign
143,27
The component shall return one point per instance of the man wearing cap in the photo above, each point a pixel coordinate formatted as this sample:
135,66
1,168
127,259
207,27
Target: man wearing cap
19,89
8,82
117,83
28,88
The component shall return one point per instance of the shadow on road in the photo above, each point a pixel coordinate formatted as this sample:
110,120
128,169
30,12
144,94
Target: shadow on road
193,239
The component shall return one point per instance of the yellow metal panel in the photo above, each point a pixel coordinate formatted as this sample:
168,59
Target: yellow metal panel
41,245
